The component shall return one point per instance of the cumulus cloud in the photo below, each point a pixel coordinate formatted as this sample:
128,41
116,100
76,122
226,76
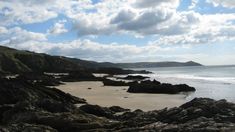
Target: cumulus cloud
123,16
19,38
159,19
58,28
19,11
193,4
34,11
210,29
224,3
18,35
154,3
86,49
146,20
3,30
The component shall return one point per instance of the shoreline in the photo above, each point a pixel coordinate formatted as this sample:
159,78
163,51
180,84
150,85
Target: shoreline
97,94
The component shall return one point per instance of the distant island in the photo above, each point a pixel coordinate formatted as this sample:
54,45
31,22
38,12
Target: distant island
157,64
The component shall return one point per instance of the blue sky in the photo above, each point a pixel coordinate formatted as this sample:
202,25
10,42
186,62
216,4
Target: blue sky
123,30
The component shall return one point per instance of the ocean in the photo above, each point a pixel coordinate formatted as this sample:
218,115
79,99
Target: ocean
216,82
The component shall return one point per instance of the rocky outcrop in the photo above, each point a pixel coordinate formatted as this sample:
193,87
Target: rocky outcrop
200,114
13,91
136,78
28,107
79,76
108,82
157,87
39,79
118,71
149,86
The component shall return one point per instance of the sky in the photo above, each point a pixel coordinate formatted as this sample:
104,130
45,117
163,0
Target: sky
122,30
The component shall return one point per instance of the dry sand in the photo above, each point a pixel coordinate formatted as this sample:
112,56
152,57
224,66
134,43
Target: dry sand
113,95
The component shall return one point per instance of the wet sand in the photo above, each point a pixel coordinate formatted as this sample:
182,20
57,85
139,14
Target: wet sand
95,93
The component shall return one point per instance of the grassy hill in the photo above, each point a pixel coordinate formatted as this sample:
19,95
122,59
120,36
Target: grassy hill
18,61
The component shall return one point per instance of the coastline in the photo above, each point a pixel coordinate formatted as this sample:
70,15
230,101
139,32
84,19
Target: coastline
107,96
44,108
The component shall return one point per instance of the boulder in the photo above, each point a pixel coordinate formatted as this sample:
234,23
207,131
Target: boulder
97,110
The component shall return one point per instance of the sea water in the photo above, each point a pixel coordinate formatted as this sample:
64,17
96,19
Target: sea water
217,82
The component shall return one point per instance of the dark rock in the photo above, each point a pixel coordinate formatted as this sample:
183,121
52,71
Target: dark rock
24,127
138,77
118,109
200,114
28,107
157,87
3,109
38,79
97,110
108,82
54,106
13,91
79,76
119,71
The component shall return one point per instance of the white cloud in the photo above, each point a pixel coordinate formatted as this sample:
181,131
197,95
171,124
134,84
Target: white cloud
58,28
123,16
138,17
208,29
193,4
146,20
114,17
19,11
159,19
18,35
86,49
154,3
3,30
34,11
224,3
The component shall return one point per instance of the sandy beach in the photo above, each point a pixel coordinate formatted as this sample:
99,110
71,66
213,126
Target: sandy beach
95,93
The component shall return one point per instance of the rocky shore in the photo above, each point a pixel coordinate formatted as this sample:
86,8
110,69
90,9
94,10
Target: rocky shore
29,105
148,86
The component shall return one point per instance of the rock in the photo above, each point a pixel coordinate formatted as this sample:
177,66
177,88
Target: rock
200,114
25,127
27,107
13,91
157,87
97,110
79,76
64,122
4,108
118,109
39,79
138,77
108,82
119,71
